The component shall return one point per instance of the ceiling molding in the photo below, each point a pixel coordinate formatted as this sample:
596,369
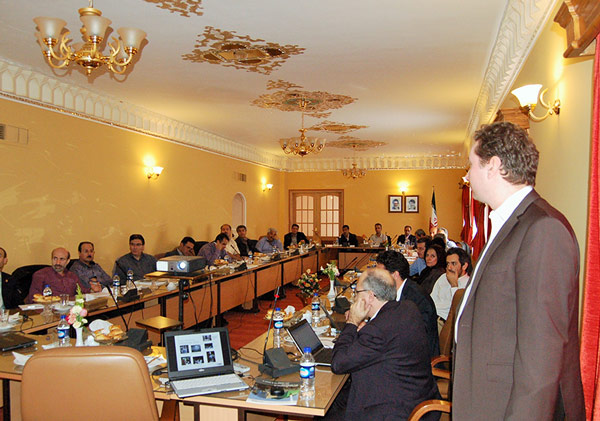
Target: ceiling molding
521,25
432,162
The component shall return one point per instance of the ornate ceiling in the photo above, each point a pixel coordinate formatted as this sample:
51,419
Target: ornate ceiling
414,78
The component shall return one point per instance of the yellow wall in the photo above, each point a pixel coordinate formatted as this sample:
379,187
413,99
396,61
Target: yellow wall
564,140
366,199
79,180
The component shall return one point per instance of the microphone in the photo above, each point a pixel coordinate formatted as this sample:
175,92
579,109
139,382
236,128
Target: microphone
270,323
341,304
118,309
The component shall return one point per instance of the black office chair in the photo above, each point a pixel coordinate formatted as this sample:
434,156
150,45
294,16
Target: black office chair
71,263
22,280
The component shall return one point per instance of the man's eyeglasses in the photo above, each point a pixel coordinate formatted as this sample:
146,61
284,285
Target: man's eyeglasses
361,290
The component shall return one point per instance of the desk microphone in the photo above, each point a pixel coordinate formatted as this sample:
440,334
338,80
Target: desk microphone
275,361
118,309
341,304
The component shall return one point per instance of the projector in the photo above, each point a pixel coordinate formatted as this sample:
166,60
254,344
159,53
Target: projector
180,264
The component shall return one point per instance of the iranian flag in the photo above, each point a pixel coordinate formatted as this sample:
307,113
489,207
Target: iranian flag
433,220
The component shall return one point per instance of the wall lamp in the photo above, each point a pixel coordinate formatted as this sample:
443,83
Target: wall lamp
267,186
153,172
528,98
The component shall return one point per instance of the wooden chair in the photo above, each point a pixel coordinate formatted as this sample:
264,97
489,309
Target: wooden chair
429,406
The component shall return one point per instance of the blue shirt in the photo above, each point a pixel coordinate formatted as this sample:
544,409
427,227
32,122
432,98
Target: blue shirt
266,246
417,267
210,253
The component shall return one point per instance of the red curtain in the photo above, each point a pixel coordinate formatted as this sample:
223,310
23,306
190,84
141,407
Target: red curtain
590,330
483,227
465,234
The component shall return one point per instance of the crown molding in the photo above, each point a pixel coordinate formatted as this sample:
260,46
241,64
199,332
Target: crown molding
521,25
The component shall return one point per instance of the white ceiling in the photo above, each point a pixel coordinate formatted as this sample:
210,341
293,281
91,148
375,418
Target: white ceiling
416,69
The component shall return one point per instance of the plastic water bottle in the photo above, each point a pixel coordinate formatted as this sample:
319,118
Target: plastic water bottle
116,286
277,327
128,284
307,376
316,310
47,292
63,331
250,254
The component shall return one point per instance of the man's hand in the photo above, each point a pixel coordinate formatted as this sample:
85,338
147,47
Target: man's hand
95,285
358,312
452,278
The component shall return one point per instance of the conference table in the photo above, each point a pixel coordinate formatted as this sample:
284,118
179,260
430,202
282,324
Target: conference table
223,406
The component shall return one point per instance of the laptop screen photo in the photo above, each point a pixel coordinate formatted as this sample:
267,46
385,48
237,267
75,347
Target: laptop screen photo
202,350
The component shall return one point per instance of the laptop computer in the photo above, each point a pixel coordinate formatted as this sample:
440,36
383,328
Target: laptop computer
199,362
10,341
303,335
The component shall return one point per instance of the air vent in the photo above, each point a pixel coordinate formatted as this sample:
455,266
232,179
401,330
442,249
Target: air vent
14,135
238,176
2,130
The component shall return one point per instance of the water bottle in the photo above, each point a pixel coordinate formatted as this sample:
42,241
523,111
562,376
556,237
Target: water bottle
129,284
47,292
116,286
316,310
277,327
307,376
250,254
63,331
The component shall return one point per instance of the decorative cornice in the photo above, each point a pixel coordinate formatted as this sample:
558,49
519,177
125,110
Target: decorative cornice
379,163
521,25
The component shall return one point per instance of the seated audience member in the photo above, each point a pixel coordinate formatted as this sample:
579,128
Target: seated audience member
57,277
232,248
458,270
419,264
379,237
407,238
420,233
245,245
270,243
447,240
293,238
215,250
185,248
440,240
433,231
347,238
397,266
89,272
136,260
435,259
9,291
388,357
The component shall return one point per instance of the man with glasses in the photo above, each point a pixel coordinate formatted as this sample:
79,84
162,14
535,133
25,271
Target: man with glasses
138,261
388,358
185,248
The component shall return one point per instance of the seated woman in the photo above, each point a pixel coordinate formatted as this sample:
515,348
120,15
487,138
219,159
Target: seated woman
435,259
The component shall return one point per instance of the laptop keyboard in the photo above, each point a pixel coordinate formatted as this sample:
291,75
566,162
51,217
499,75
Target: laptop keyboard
202,382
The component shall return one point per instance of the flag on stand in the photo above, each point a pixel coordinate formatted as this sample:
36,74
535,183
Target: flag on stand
433,221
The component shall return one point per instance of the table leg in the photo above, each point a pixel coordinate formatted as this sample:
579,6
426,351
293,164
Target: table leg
6,400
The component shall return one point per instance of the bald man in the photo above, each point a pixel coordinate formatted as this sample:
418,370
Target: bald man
60,280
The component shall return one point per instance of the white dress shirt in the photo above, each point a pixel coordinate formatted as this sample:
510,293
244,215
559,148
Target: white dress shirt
442,294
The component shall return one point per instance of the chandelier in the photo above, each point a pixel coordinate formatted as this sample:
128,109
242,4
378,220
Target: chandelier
59,54
302,145
354,172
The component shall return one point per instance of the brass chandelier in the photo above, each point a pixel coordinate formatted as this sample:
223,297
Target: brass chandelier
59,54
354,172
302,145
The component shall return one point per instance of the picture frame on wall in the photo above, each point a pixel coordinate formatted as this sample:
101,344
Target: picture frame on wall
395,204
411,204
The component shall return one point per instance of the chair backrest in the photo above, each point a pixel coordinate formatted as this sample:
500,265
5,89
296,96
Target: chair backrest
21,279
198,245
87,383
447,333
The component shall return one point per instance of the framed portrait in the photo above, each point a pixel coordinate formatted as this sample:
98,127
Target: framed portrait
411,204
394,204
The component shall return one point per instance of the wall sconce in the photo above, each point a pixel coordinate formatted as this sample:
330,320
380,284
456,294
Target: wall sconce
153,172
403,187
528,98
266,187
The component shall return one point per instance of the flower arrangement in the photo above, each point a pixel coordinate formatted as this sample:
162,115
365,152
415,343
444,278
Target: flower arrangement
78,312
331,270
308,283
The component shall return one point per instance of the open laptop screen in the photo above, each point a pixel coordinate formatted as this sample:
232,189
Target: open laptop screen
198,353
303,335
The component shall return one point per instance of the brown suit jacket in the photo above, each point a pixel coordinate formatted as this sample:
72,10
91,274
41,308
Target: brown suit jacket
518,347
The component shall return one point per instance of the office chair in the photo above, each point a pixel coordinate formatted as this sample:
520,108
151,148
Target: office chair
21,278
87,383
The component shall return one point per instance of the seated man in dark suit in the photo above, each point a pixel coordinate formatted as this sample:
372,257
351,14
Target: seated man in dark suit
407,238
398,267
294,238
245,244
185,248
9,294
347,238
387,357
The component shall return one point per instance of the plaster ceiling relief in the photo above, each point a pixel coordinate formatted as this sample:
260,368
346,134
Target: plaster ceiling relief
291,98
350,142
183,7
341,128
241,52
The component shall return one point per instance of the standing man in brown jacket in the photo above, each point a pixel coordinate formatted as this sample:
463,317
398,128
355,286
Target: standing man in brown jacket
517,343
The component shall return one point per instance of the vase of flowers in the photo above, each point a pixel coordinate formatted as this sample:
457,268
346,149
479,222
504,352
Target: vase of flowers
331,271
308,284
77,315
